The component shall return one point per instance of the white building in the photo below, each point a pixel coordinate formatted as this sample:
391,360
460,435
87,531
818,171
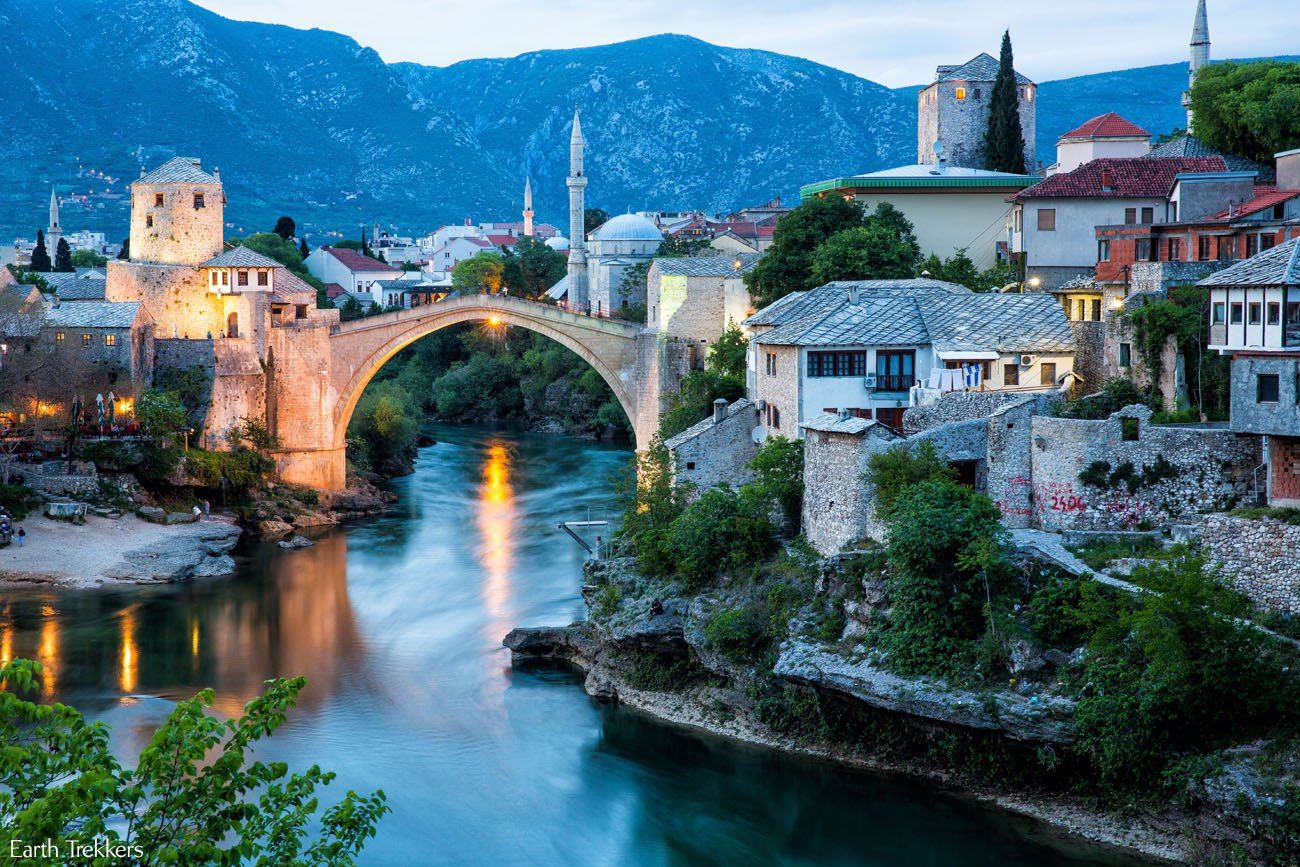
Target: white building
617,246
356,273
1107,135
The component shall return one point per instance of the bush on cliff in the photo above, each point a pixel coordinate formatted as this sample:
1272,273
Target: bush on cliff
382,432
720,532
778,478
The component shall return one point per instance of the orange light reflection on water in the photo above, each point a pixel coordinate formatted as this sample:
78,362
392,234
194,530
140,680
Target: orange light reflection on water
496,517
48,653
129,655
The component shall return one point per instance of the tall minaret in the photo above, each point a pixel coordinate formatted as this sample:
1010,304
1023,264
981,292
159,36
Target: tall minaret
528,208
577,183
54,232
1200,55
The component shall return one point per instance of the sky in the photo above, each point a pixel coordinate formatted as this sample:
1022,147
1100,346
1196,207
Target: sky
893,42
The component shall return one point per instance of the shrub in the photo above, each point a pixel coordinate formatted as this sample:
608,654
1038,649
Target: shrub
654,672
793,711
894,470
20,500
736,633
109,455
719,532
607,600
778,477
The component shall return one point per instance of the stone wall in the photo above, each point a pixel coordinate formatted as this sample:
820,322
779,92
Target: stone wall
963,406
1176,472
175,297
1161,276
839,505
717,451
1090,354
1258,557
1173,373
238,391
176,232
780,390
1008,469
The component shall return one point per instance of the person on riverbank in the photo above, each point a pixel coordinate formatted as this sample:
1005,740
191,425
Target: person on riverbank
197,513
207,511
22,534
599,552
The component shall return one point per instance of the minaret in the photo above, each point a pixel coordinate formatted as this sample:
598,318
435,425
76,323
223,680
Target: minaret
1200,56
577,183
54,232
528,208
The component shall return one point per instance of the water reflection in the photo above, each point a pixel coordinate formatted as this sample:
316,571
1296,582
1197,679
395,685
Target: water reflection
496,517
48,654
130,665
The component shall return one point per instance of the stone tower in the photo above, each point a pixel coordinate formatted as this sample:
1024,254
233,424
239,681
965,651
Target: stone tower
954,109
528,208
177,214
54,231
577,183
1200,56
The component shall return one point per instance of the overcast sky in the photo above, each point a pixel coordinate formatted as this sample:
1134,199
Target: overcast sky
894,42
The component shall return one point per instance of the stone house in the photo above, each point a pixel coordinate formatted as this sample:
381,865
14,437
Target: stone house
718,449
115,337
694,298
954,110
1255,317
838,502
873,348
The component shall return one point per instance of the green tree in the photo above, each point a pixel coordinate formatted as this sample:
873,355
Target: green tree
194,796
481,272
63,257
862,253
285,227
1251,109
160,414
721,531
88,259
40,256
385,424
1004,142
303,250
593,219
894,470
531,267
787,267
958,268
727,354
778,477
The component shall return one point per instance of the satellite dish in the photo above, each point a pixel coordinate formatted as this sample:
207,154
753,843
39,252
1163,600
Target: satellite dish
759,434
938,147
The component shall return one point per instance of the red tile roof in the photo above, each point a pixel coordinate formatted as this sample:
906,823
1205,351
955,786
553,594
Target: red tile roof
355,261
1129,178
1108,125
503,240
333,290
1264,198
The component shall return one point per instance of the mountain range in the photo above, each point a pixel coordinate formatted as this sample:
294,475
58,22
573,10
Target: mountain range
312,124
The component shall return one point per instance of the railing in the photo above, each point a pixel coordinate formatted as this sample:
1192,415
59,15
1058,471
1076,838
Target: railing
893,382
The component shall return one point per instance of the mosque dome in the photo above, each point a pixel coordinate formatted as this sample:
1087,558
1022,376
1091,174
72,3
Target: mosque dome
559,242
628,227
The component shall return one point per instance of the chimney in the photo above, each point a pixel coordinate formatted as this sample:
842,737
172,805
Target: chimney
1288,169
719,410
216,172
1107,181
853,294
842,414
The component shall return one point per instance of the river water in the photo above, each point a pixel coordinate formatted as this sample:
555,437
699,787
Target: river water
397,624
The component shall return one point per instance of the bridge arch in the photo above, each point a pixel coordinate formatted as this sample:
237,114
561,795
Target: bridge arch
385,337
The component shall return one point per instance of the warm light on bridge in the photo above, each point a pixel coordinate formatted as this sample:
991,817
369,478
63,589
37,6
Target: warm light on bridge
494,321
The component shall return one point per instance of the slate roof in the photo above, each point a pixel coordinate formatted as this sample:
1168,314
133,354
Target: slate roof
1108,125
830,422
1278,266
1263,199
1130,178
241,257
707,266
1190,146
1015,322
178,170
354,260
91,289
93,314
1030,322
981,67
798,305
288,284
701,426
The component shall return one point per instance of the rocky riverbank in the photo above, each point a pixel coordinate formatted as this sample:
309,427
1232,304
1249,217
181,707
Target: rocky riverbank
651,649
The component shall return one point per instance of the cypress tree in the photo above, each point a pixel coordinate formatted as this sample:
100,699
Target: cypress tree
1004,143
63,256
302,247
125,252
40,256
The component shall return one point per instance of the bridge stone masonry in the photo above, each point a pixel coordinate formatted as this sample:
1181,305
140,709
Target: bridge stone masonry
317,371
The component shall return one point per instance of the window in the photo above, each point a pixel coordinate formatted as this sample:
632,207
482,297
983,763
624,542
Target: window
85,340
1142,250
110,340
1227,248
1020,220
1130,428
225,278
857,412
770,360
1096,310
243,278
895,370
976,95
1148,215
1255,313
961,93
847,363
1048,375
1103,251
157,200
1175,249
1218,312
1010,374
198,201
263,278
1047,219
148,221
1274,313
690,465
1234,315
1266,242
1079,310
58,336
1252,245
1202,248
1267,388
1130,216
891,418
1126,355
773,417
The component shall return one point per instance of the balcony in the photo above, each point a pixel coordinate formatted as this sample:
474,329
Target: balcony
894,382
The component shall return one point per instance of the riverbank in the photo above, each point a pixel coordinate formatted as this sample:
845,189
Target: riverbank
125,550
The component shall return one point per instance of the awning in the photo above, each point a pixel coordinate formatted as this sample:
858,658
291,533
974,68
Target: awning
967,355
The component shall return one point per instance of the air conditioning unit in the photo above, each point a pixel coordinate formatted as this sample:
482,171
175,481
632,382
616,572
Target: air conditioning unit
1026,360
869,381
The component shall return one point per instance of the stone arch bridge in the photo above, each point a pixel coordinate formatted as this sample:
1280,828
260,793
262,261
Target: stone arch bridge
317,371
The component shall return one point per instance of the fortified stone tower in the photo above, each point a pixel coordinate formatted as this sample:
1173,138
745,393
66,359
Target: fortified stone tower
577,183
177,214
954,109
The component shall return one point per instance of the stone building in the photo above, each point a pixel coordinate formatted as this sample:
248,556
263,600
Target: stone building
117,338
696,297
838,503
718,449
954,110
615,248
